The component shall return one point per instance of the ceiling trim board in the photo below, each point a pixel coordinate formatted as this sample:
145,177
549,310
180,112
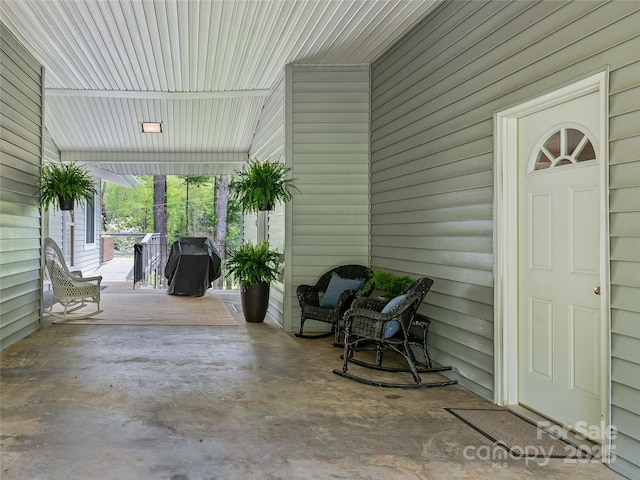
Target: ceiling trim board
152,95
153,157
123,180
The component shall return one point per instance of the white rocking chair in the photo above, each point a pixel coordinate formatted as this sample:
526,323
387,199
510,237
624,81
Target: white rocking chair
70,289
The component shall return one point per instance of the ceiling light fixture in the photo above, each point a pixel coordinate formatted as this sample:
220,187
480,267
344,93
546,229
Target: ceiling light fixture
151,127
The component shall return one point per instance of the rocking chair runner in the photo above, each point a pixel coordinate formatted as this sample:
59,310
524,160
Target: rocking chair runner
368,325
311,300
70,289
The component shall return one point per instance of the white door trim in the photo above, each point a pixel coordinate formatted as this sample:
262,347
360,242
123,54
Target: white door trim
506,239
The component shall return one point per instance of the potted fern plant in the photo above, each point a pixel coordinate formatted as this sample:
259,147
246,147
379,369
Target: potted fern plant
388,284
262,185
253,266
63,183
258,188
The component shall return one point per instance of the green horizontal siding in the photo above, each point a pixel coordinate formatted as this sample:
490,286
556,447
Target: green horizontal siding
328,150
268,142
21,152
434,95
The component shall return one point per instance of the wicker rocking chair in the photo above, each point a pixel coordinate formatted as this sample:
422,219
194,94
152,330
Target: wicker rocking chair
378,326
70,289
312,299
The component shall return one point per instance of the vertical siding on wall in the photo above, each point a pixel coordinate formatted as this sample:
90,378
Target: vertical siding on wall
21,153
434,94
268,142
327,134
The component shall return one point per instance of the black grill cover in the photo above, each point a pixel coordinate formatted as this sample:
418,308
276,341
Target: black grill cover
192,266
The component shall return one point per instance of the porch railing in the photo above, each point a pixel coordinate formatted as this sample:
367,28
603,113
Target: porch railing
148,269
150,258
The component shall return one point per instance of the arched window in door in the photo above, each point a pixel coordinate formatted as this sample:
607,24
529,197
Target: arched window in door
565,146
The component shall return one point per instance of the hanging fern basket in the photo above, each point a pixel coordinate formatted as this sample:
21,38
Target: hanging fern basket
66,203
262,185
63,183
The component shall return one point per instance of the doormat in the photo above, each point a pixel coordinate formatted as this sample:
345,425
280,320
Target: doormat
157,308
520,437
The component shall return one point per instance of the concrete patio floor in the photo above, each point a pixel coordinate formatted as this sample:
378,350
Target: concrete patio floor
236,402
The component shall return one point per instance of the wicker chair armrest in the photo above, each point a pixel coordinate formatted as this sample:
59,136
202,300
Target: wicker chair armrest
365,318
367,313
308,295
345,300
86,280
366,323
369,303
97,278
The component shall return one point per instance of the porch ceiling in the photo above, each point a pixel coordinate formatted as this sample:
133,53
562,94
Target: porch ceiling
202,68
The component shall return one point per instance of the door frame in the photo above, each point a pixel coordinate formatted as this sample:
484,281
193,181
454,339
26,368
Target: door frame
506,241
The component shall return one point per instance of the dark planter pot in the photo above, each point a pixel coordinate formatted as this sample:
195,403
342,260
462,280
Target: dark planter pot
255,302
65,203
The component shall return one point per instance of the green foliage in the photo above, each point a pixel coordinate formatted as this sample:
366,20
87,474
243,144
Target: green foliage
122,244
251,263
66,180
234,225
196,180
262,185
389,284
129,210
198,195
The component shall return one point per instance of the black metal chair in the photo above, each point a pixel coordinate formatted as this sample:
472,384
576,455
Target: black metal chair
375,325
311,298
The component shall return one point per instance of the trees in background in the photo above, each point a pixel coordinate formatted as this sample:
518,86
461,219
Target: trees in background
201,213
192,181
160,215
221,212
221,204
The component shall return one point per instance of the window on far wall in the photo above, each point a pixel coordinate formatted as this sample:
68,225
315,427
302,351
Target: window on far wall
90,222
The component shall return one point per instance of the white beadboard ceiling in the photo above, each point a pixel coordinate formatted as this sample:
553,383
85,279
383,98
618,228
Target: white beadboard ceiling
201,67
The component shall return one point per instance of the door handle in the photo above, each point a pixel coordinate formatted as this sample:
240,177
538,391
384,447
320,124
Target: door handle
596,290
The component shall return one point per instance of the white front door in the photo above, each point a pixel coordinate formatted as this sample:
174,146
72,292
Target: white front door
559,344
